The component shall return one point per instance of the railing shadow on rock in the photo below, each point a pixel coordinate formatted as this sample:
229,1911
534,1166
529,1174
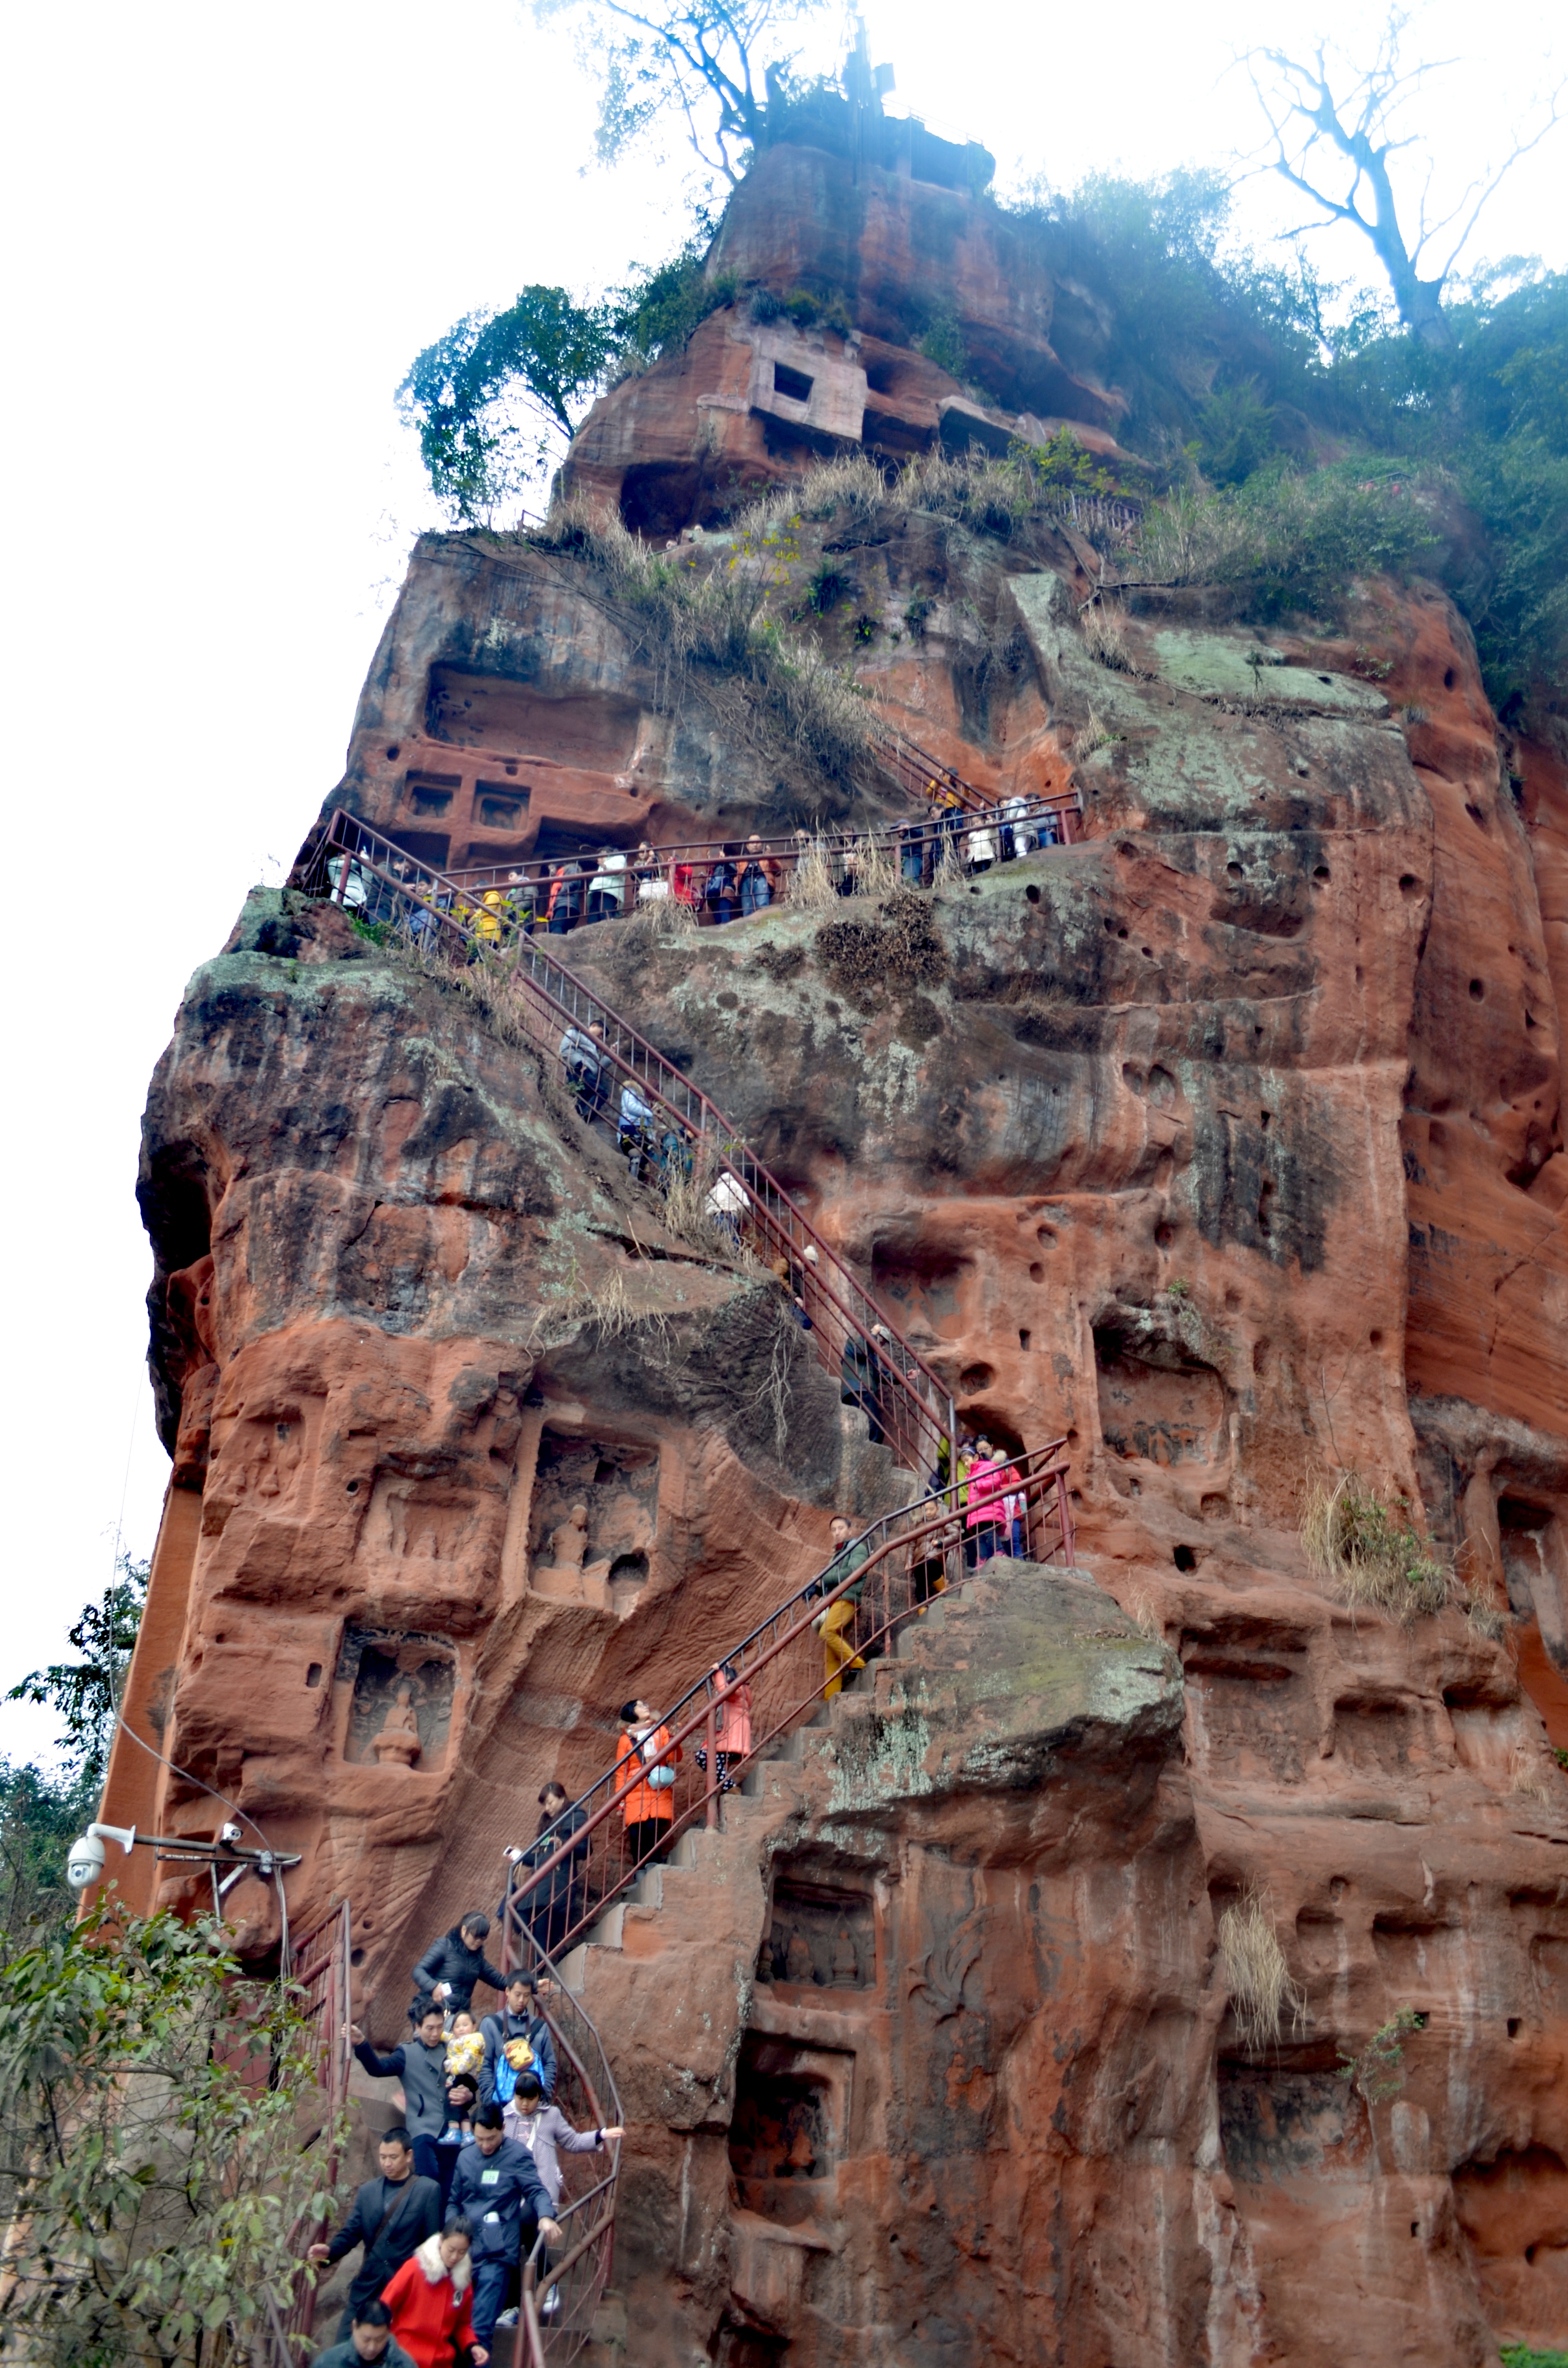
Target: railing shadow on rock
910,1558
664,1125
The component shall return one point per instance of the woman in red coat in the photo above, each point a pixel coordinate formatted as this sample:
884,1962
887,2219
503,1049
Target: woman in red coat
430,2300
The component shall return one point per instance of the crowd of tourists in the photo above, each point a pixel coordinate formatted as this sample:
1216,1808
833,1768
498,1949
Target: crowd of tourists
725,883
469,2180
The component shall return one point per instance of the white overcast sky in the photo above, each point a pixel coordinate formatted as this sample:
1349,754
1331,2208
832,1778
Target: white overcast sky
229,229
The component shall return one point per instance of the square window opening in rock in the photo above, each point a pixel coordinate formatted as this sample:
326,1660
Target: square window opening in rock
498,808
430,795
793,384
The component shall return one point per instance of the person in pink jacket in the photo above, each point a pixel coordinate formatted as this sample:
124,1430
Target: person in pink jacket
990,1481
733,1721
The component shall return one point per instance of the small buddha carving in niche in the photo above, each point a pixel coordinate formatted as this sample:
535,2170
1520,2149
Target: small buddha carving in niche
397,1743
846,1963
797,1960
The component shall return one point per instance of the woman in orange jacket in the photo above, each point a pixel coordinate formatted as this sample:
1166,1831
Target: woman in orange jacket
649,1767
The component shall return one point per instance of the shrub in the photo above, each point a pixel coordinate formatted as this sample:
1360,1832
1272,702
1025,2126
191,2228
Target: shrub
1378,2072
1287,541
157,2110
1369,1550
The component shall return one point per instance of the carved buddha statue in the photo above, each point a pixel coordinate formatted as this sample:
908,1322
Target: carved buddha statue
397,1744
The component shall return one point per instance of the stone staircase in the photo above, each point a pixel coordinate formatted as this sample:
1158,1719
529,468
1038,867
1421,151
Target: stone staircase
695,1864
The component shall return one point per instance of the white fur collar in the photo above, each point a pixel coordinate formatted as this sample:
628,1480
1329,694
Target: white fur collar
429,2260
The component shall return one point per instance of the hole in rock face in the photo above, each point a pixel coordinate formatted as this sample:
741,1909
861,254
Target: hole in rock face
1321,872
1023,1339
1232,870
1164,1237
1184,1558
1265,1205
393,751
1513,2026
792,384
1260,1354
1037,1272
1032,893
1448,677
355,1956
1376,1339
312,1675
353,1487
975,1377
1477,990
1415,2228
1408,884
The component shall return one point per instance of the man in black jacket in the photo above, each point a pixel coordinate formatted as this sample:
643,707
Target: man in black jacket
519,2019
497,2189
447,1971
420,2065
392,2217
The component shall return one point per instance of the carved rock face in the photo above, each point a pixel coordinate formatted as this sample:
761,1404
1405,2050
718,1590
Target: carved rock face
1225,1144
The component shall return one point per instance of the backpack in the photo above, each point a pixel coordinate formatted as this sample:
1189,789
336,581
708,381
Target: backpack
516,2056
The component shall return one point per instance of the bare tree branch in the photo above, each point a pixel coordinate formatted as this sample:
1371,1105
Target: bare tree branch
1310,128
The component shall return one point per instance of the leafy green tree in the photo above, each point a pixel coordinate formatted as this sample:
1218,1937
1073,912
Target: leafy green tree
553,355
546,347
42,1812
86,1692
157,2114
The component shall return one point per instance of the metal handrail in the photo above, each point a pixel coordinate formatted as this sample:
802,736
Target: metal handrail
578,2278
593,1858
910,837
878,1367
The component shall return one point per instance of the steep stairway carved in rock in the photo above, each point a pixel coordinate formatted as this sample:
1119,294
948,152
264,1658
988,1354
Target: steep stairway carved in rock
912,1560
851,1332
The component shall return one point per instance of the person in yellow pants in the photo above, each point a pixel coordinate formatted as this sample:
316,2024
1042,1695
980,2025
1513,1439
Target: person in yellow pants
839,1653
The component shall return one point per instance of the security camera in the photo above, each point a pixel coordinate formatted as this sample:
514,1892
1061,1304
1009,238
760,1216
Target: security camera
86,1863
229,1834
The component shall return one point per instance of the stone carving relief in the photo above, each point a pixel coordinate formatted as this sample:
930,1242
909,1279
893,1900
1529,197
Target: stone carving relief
400,1706
791,2125
819,1939
592,1527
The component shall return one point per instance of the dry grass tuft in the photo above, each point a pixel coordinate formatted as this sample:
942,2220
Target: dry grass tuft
811,882
1104,632
1369,1550
1255,1972
1143,1612
662,921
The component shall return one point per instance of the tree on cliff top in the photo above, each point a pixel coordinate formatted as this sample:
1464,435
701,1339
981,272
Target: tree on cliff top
701,64
1337,150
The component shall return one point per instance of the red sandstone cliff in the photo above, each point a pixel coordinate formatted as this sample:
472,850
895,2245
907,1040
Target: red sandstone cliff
1227,1144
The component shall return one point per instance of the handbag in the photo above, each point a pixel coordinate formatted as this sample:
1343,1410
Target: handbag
661,1779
